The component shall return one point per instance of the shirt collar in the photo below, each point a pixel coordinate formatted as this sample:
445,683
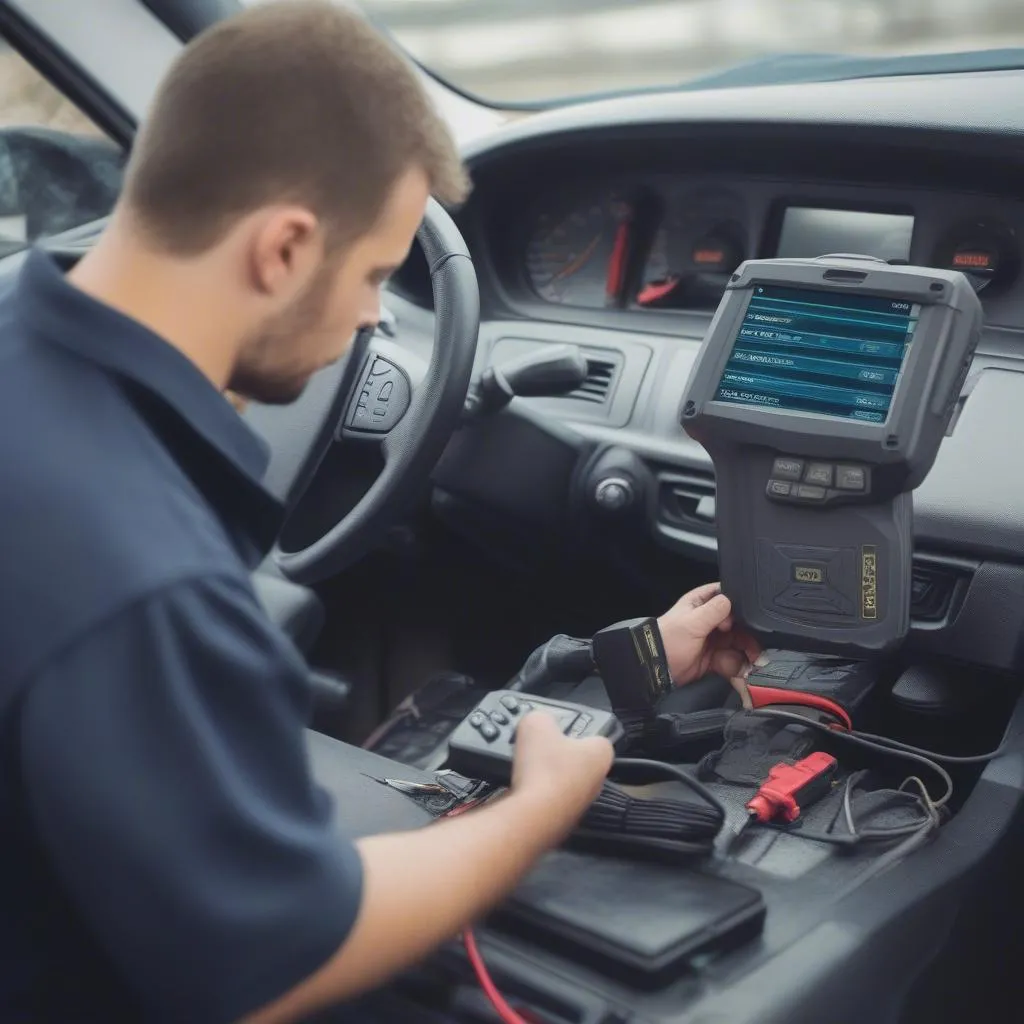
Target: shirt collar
207,437
67,316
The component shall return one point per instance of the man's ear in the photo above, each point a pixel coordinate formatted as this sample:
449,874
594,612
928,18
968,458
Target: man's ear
285,251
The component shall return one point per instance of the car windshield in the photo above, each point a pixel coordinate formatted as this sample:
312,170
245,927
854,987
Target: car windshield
516,51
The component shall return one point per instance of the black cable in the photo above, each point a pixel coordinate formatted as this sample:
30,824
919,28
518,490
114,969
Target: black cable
886,741
890,857
855,836
870,743
677,773
946,758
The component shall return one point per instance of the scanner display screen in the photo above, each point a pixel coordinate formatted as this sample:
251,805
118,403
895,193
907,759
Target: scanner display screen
829,353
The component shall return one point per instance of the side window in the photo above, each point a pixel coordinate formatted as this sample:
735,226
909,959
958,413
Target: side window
57,169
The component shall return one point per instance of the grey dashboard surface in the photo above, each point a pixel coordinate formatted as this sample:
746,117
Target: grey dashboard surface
984,103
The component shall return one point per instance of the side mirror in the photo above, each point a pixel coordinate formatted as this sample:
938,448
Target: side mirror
52,181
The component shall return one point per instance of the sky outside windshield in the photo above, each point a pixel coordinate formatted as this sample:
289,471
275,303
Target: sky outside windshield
510,51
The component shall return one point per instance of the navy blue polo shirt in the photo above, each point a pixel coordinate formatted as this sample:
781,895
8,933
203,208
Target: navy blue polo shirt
164,851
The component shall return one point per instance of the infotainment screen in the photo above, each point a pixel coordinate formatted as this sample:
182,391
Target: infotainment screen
809,232
830,353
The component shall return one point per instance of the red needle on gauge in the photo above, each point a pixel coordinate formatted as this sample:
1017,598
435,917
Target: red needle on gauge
656,290
617,263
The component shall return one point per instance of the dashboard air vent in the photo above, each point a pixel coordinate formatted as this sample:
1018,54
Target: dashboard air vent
598,385
688,499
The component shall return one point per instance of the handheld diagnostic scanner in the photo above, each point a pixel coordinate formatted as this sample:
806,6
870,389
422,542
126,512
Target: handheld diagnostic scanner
822,392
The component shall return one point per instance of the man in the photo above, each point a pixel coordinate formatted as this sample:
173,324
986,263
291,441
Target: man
166,854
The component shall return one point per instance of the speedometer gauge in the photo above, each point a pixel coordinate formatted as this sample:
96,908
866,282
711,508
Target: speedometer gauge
577,251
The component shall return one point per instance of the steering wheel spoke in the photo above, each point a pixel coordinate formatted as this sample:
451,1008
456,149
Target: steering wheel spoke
382,393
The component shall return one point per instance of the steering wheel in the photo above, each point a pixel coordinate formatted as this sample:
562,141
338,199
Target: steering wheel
380,394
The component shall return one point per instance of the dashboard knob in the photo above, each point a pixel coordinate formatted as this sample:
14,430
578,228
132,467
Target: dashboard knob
614,493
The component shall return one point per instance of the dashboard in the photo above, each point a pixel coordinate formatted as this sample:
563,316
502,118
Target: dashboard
615,225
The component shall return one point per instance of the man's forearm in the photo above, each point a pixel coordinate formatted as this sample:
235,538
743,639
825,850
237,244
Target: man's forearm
419,889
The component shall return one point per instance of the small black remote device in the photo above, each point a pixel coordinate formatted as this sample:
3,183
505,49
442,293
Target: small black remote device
483,744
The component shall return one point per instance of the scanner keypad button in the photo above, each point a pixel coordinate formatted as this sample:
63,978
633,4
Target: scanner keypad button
788,469
819,473
489,731
477,719
809,492
779,488
851,478
499,717
511,705
578,727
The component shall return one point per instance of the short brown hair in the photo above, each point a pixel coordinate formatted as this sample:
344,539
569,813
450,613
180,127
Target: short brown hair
294,100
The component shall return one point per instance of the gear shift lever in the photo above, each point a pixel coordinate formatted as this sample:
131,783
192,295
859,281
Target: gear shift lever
546,371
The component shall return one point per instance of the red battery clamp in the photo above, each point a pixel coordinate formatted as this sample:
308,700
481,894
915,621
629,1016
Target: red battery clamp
791,787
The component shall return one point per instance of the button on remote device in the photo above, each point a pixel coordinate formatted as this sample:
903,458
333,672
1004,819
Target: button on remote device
483,745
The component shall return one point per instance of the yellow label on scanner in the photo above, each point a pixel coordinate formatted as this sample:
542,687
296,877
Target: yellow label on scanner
868,583
652,644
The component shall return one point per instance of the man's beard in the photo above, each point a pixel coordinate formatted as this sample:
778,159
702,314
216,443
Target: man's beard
263,373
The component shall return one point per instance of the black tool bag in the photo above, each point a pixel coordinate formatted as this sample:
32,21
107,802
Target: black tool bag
754,744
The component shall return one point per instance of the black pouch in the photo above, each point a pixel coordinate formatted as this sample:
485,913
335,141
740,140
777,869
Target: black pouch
754,744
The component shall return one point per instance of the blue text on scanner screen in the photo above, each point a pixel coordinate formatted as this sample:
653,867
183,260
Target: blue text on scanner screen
830,353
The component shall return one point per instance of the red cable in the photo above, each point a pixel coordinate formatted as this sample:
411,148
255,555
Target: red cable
766,696
483,976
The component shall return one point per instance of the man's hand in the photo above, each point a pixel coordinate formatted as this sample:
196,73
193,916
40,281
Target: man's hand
561,774
700,636
421,887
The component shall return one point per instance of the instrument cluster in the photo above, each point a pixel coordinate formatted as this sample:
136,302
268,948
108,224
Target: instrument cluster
621,248
668,244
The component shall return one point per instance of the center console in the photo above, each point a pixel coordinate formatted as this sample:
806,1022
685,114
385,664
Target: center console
795,931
